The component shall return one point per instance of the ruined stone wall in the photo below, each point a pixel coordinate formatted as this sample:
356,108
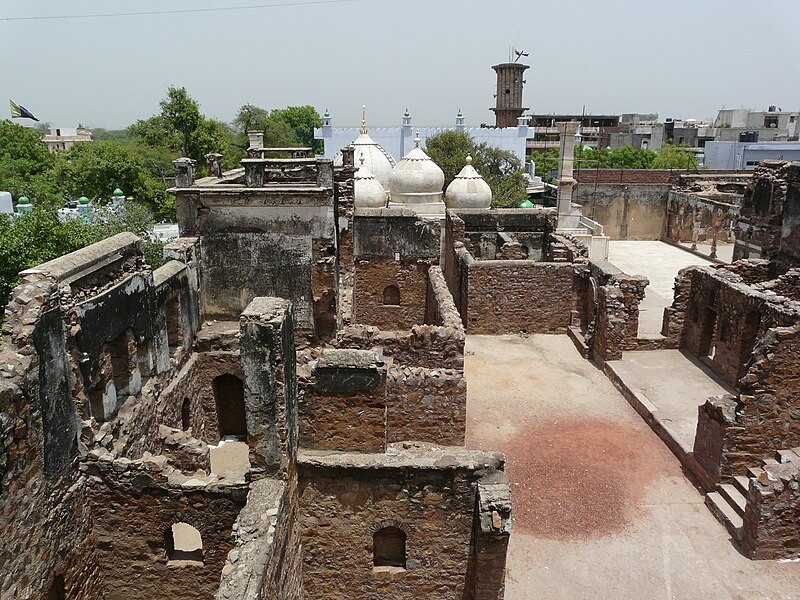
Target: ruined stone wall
769,222
346,498
195,383
45,521
392,251
628,210
773,509
264,242
427,405
372,305
93,336
343,407
716,313
266,561
513,296
767,413
134,503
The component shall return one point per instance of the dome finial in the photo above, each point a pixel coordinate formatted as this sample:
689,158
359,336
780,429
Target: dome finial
417,140
363,119
469,159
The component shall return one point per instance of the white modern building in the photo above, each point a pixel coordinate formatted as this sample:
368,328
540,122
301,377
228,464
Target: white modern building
744,156
63,138
399,141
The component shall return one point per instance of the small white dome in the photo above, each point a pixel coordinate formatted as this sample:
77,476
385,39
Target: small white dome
367,191
468,189
416,179
377,160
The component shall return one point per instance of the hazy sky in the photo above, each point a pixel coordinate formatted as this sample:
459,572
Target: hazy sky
679,58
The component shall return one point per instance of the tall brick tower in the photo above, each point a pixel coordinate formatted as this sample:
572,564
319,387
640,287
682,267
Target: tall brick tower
509,94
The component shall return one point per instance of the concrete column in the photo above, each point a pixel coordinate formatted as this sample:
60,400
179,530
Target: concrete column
565,179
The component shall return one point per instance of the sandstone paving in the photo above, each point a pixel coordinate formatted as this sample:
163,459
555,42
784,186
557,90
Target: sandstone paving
639,530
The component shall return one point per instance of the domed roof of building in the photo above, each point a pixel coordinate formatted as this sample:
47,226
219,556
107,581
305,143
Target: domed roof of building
377,160
468,189
415,174
416,183
367,191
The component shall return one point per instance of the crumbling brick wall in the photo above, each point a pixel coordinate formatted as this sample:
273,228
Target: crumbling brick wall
766,414
773,509
715,313
372,278
266,561
429,495
343,407
45,519
617,320
135,502
769,221
426,405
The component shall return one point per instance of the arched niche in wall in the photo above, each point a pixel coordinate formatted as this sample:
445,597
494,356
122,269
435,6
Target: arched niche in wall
391,295
183,542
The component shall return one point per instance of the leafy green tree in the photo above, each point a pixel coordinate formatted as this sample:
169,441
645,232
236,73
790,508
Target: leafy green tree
674,157
182,116
33,239
181,128
301,119
97,169
121,136
500,168
24,159
283,127
39,236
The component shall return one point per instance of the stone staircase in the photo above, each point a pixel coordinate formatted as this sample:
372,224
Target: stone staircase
728,502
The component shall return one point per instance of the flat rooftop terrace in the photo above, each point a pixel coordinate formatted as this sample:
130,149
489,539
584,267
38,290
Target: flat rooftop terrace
660,263
602,509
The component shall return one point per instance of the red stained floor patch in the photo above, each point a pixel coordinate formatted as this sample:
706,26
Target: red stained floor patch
579,480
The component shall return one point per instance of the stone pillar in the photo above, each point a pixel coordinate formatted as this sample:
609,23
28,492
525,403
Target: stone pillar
270,383
565,180
695,227
184,172
255,140
348,158
253,172
324,172
214,165
491,534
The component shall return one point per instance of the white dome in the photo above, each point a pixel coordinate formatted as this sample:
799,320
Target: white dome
468,189
417,180
367,191
377,160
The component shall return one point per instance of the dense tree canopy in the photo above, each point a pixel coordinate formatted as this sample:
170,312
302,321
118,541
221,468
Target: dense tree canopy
500,168
283,127
39,236
666,157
